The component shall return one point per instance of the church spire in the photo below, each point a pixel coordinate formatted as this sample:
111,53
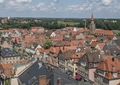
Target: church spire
92,24
92,17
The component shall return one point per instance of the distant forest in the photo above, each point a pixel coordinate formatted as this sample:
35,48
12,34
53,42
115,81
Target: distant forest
50,23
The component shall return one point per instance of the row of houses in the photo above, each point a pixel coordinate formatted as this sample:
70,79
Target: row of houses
90,54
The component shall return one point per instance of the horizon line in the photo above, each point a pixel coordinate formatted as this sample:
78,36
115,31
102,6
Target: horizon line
59,17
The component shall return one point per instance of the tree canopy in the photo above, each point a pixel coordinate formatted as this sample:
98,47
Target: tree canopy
111,24
48,44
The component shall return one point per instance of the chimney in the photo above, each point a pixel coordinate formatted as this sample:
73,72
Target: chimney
113,59
43,80
59,82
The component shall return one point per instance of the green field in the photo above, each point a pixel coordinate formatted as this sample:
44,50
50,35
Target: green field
68,23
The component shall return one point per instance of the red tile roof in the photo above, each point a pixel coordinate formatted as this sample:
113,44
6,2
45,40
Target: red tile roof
110,65
104,32
110,62
57,38
7,69
74,43
37,29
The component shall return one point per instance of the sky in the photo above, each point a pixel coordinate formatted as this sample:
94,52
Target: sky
60,8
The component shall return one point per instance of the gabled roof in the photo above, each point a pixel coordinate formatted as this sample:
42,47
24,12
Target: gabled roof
49,32
32,74
93,57
66,55
112,49
101,45
110,65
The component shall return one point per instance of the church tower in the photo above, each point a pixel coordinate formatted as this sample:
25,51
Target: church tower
92,26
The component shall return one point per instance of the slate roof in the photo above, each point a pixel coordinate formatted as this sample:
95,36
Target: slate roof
7,52
117,42
112,49
93,57
31,76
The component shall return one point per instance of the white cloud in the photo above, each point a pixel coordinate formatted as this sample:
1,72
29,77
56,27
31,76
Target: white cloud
1,1
24,1
40,7
79,7
15,4
86,6
107,2
15,1
44,7
21,1
28,5
55,0
95,5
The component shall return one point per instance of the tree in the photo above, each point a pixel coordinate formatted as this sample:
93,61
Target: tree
118,34
48,44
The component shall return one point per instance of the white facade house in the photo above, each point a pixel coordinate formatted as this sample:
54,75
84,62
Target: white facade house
53,34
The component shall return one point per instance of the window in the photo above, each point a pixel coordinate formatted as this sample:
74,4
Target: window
91,65
105,81
115,75
101,72
95,65
75,68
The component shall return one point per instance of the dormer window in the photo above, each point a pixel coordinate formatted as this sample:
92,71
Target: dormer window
78,50
101,72
99,56
83,63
